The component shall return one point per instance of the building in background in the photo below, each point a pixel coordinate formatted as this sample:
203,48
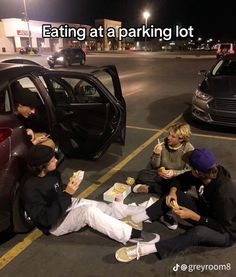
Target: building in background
14,35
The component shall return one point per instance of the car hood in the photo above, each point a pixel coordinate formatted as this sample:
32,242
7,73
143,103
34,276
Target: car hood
220,86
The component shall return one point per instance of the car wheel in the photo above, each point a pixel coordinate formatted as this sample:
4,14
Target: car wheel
66,63
82,62
21,222
51,65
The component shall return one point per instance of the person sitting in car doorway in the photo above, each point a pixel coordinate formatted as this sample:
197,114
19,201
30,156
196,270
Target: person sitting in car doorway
212,213
51,207
27,104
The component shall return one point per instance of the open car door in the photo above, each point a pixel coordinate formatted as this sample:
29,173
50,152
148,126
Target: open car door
89,115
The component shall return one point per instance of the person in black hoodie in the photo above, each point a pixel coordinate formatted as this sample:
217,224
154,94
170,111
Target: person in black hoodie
212,213
31,113
51,207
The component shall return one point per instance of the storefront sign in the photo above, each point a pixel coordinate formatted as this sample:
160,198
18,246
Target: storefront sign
22,33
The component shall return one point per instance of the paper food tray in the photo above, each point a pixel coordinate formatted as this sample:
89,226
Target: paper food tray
119,190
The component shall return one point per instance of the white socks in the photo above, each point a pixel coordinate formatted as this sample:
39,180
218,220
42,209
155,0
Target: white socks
140,217
146,249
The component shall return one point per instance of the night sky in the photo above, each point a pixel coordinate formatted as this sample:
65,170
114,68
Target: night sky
210,19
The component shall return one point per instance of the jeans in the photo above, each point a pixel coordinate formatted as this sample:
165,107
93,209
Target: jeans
197,235
155,183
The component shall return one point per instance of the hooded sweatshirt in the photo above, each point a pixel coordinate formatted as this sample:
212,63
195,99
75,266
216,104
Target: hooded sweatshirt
217,200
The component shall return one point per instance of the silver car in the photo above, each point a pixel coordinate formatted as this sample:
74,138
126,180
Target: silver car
214,101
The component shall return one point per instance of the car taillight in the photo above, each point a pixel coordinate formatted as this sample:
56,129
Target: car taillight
231,51
5,133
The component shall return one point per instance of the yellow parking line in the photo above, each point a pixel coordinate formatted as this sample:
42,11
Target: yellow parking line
21,246
142,128
213,136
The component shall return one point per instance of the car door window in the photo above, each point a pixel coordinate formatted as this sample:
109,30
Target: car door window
61,92
85,92
107,81
5,106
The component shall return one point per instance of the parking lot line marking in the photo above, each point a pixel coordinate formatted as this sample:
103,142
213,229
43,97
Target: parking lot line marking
28,240
213,136
142,128
19,247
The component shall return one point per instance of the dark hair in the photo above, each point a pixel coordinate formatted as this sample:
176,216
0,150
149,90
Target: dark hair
210,174
36,170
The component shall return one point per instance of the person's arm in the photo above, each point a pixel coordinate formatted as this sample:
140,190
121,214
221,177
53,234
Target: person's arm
46,215
223,210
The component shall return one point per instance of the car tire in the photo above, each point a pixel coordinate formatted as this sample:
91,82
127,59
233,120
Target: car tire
82,62
66,63
21,223
51,65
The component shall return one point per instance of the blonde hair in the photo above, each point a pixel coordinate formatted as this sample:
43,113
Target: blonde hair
182,130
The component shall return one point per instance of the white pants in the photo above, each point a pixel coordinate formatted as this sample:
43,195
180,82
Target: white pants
98,215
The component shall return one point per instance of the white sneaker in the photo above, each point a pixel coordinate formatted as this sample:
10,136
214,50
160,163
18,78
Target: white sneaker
169,221
146,238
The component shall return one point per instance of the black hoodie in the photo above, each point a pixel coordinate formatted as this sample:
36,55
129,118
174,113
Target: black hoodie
218,200
44,199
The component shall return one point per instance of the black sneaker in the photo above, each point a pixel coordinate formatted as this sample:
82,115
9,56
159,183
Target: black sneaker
146,238
169,221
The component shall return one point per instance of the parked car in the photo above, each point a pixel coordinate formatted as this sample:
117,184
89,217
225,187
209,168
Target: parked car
67,57
28,50
20,61
86,112
214,101
224,48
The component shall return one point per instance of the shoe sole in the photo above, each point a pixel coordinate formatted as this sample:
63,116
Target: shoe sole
155,240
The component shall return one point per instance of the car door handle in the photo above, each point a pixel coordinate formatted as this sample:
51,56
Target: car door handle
67,112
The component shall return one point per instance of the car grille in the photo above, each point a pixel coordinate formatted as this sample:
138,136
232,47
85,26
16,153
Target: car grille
230,121
223,104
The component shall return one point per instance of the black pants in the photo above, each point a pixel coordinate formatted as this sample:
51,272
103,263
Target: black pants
156,184
197,235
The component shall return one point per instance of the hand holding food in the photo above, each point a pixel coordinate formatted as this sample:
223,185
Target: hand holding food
174,205
74,182
165,173
158,148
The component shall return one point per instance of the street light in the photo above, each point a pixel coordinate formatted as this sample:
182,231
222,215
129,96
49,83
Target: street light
146,15
27,20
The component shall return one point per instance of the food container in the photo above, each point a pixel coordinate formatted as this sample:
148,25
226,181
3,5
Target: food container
118,191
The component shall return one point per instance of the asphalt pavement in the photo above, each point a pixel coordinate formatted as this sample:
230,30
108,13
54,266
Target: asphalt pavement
157,93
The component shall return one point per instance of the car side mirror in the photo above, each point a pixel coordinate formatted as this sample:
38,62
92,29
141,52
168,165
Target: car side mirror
202,72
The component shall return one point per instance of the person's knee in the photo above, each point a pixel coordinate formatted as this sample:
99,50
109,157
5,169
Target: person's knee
199,234
91,213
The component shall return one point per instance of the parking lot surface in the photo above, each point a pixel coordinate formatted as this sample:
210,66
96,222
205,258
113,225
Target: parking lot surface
88,253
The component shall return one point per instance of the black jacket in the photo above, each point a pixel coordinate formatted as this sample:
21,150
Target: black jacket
218,201
44,199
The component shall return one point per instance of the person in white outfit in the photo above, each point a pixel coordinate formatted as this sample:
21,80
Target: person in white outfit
53,210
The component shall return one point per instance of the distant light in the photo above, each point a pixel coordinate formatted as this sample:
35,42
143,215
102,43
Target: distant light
146,14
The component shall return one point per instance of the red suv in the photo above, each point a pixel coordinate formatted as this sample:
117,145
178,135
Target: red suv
225,48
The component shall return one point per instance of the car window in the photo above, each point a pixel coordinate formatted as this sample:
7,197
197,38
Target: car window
225,46
61,94
225,67
25,82
5,106
84,92
106,79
